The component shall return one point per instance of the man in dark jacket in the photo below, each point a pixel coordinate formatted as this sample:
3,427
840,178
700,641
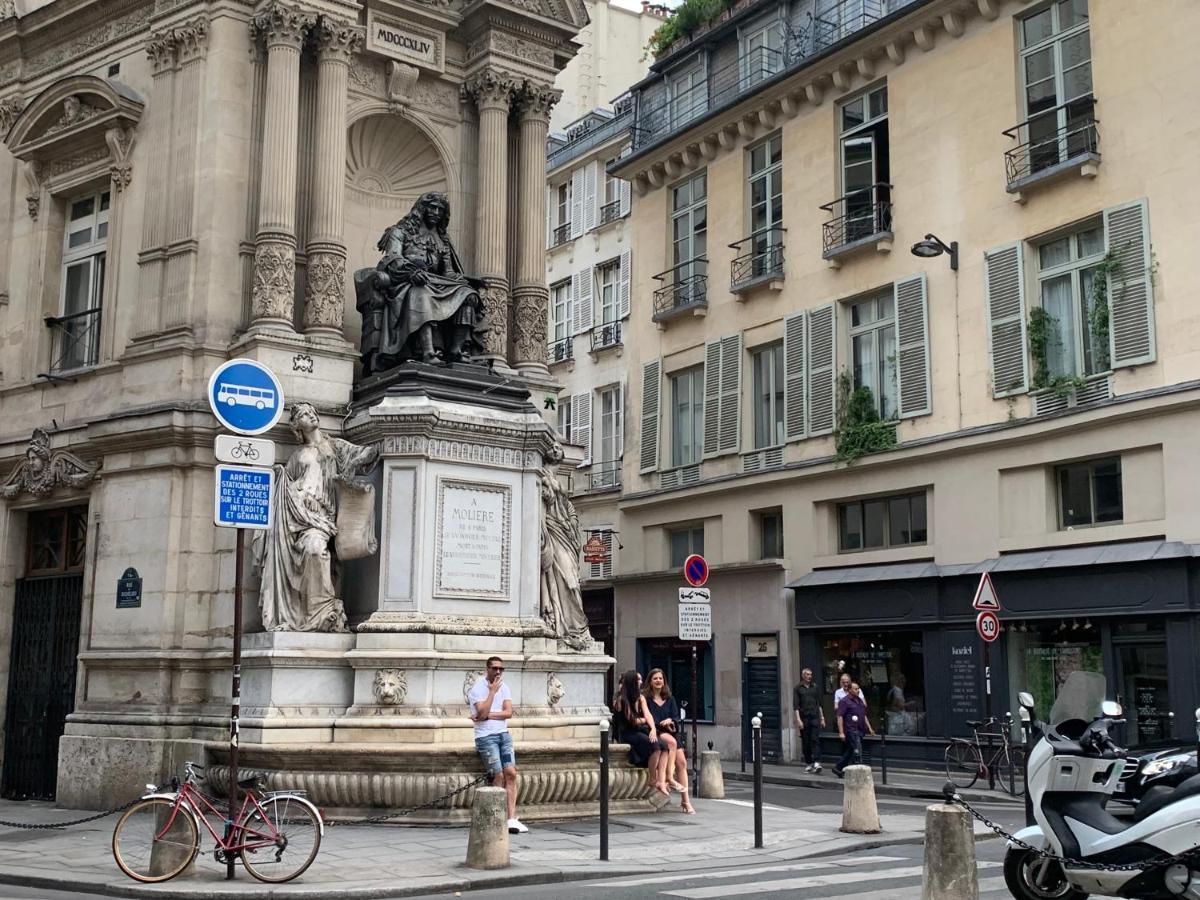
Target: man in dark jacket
852,725
810,719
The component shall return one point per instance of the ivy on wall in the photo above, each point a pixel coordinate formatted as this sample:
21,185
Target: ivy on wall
860,431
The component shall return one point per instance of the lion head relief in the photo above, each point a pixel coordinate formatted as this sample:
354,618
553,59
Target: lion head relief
390,687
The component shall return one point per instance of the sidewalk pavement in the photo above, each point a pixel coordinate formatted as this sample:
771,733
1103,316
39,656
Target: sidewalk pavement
392,861
919,783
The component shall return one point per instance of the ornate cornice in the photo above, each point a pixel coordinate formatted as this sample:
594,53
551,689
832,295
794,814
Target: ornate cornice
282,25
336,40
492,89
535,101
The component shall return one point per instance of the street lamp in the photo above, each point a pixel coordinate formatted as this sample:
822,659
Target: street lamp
934,246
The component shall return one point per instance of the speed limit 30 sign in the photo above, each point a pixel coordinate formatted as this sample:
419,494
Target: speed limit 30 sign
987,623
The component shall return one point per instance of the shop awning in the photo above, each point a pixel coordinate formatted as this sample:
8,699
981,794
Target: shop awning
1060,558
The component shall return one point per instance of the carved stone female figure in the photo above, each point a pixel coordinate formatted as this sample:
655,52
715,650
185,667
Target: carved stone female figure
299,565
561,601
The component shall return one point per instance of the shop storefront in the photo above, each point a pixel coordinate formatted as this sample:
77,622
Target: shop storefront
906,634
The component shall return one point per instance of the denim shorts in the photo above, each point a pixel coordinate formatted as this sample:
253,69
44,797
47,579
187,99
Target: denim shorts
496,752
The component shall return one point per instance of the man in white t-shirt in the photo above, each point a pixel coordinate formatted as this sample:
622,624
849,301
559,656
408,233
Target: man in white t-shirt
491,708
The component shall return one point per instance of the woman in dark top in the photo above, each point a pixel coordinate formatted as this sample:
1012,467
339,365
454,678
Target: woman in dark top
664,710
633,724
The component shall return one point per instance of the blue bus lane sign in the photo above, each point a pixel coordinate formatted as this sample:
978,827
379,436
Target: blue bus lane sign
245,396
243,497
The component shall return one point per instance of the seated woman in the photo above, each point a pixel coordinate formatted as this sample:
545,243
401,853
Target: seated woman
664,710
634,726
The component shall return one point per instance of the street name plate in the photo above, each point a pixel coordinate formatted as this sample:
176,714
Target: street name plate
695,622
243,497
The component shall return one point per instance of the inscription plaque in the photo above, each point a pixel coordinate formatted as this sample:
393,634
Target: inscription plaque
473,536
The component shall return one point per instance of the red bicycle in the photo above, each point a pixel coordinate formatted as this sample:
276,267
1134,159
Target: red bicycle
276,833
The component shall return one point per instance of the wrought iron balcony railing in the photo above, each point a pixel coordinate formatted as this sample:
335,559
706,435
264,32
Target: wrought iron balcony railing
560,351
76,340
597,135
606,336
610,212
685,287
604,475
1056,138
759,257
560,235
857,217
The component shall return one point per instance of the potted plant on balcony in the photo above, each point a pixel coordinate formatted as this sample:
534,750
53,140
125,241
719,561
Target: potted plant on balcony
685,23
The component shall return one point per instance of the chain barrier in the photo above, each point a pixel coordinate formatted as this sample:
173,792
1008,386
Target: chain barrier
51,826
429,804
1067,862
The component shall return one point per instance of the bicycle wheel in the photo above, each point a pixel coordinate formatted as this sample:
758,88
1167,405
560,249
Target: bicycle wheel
154,841
963,763
281,841
1008,761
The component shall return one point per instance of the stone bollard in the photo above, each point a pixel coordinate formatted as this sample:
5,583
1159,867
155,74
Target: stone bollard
860,815
949,855
487,847
712,780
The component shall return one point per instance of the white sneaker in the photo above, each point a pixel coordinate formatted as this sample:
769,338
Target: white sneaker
515,827
816,768
809,769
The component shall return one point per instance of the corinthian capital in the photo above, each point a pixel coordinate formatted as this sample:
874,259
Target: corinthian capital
536,100
160,48
337,40
191,39
492,88
282,25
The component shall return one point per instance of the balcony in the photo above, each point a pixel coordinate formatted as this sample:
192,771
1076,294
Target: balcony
859,219
1091,389
685,289
602,476
1053,143
560,235
592,138
759,261
560,351
76,340
610,212
606,336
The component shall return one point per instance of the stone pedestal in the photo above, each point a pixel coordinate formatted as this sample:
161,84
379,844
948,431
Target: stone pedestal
294,686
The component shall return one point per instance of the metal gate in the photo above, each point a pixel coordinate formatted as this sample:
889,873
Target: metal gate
41,682
760,675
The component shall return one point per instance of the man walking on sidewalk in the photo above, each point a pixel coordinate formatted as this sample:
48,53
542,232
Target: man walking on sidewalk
810,720
491,708
852,725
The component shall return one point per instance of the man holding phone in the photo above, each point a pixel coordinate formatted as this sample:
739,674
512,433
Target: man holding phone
491,708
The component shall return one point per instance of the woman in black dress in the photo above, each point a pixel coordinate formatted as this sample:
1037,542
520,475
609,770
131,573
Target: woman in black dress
664,710
633,724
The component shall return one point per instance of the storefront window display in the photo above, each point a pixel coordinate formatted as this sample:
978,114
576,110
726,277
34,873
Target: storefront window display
890,669
1042,655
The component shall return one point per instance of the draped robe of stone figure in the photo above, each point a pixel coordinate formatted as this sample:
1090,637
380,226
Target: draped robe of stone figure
298,562
561,600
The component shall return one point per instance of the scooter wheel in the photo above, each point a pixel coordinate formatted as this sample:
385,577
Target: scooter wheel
1032,877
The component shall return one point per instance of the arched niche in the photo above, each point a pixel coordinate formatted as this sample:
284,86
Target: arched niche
390,162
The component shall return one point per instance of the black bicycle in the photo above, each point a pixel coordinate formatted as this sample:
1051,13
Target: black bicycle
965,762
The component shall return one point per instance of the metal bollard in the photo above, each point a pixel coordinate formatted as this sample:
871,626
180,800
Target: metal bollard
1198,733
743,753
1012,776
604,724
756,730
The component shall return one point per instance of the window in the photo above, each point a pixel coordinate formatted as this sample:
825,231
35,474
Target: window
873,351
1089,493
563,214
609,276
1067,271
761,56
1056,68
674,657
609,462
866,169
85,244
768,397
882,522
562,311
57,540
889,667
687,416
689,95
1043,655
689,228
565,421
766,203
770,534
612,184
683,543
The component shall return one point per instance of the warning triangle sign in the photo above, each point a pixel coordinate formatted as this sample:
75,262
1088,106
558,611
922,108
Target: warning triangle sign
985,594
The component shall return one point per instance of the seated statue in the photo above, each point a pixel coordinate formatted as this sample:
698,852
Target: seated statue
417,303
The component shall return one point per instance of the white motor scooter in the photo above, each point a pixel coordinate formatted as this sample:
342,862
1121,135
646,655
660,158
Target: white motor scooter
1073,770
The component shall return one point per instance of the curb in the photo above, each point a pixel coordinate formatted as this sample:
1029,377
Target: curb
885,790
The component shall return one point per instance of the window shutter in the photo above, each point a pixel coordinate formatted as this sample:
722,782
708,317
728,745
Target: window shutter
731,394
822,369
712,397
626,197
793,376
581,411
619,420
582,282
1130,291
1004,289
625,278
651,377
603,570
577,191
550,210
912,343
573,305
591,183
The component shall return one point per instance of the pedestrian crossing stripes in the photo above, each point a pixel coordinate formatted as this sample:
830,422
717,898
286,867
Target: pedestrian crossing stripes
741,873
814,881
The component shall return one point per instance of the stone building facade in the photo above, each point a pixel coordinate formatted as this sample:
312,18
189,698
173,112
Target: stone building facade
1026,376
183,181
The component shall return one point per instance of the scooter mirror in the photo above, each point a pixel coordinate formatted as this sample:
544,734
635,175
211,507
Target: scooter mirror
1198,715
1024,714
1110,708
1026,700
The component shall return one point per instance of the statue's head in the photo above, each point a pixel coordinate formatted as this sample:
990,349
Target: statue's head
304,419
433,209
38,454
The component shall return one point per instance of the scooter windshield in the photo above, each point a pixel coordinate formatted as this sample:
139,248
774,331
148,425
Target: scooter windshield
1078,699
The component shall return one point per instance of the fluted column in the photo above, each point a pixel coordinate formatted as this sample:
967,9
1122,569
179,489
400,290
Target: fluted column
530,295
493,92
324,293
284,29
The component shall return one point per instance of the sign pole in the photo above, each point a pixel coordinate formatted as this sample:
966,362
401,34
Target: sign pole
987,708
695,720
236,692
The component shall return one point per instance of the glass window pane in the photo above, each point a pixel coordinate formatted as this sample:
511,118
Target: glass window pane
874,513
852,114
888,402
1055,253
878,103
80,238
1107,476
775,149
1071,13
920,526
1061,326
697,542
1077,81
1075,50
1075,495
101,231
899,527
1037,27
1039,66
1040,97
81,209
890,670
700,187
679,547
104,201
78,289
1091,242
850,531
